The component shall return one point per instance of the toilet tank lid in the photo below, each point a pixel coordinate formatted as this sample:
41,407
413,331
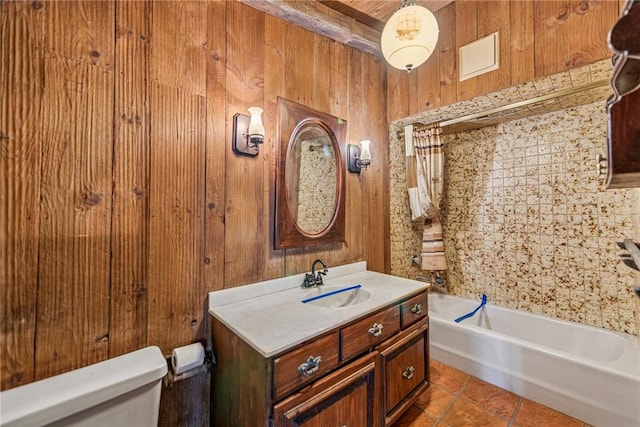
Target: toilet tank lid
65,394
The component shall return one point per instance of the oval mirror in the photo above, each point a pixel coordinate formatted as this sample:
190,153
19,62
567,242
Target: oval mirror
309,177
312,177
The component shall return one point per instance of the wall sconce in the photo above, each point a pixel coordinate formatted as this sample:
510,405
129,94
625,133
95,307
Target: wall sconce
358,158
248,132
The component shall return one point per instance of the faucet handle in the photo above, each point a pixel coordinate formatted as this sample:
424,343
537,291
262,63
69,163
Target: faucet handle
321,273
309,281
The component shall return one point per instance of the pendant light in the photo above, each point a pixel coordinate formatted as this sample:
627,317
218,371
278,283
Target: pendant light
409,36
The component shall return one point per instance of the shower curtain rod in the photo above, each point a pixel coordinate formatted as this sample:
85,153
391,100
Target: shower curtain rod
488,113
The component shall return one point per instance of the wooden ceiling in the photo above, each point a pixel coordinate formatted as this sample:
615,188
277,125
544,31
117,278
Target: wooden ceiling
357,23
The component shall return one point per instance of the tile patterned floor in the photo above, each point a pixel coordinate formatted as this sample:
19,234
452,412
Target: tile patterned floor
456,399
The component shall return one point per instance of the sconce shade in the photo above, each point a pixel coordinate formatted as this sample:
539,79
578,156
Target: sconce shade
409,37
256,128
365,153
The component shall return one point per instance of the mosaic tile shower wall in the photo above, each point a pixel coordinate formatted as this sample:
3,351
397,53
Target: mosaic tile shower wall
527,221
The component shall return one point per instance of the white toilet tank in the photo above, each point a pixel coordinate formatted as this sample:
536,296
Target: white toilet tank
122,391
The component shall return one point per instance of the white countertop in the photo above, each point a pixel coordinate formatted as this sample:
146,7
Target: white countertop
271,317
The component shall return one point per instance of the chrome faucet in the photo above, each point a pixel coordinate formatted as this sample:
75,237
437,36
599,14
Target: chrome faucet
315,279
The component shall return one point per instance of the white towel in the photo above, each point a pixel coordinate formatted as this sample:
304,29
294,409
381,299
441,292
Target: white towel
414,203
408,140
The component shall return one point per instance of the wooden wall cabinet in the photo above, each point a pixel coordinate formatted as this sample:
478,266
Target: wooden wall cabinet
623,142
364,373
623,108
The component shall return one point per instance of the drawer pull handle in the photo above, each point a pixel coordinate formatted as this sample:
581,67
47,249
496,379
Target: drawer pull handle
408,373
311,366
417,309
376,330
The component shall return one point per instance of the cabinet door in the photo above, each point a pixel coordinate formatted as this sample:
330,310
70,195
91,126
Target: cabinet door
624,141
344,398
623,108
405,370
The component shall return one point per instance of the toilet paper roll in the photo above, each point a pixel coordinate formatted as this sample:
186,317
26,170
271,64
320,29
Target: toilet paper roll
187,357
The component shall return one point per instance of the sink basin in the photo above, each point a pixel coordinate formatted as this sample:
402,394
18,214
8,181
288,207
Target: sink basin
336,296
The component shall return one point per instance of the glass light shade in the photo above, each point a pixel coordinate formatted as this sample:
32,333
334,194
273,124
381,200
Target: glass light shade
365,153
256,128
409,37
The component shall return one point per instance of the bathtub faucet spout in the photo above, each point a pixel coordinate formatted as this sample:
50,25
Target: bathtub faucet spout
436,281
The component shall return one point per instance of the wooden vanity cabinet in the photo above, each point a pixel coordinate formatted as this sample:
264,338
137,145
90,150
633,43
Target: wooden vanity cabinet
365,373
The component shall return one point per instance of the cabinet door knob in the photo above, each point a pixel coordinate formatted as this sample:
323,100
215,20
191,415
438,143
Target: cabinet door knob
408,373
376,330
311,366
417,309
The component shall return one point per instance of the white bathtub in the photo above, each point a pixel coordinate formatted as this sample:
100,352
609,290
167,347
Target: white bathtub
589,373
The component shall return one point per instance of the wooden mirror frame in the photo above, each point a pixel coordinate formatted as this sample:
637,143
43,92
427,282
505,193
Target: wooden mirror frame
287,234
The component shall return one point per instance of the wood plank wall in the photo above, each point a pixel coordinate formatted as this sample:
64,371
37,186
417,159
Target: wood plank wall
122,202
537,38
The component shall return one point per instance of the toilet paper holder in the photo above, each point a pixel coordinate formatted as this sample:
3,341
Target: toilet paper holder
205,367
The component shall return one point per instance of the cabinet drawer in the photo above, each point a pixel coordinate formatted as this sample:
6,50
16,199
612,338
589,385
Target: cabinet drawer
369,331
413,310
346,397
304,364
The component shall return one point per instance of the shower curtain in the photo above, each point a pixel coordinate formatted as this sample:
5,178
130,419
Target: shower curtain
425,179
